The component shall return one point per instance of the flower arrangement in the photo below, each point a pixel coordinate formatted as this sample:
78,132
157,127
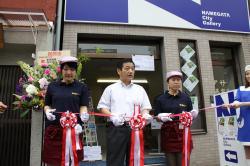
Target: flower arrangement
31,88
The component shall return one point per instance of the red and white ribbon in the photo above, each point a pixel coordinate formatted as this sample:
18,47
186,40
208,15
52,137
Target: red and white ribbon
137,122
186,120
70,140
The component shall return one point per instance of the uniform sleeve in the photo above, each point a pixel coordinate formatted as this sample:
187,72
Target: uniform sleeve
145,103
105,100
189,104
48,96
238,95
84,100
157,107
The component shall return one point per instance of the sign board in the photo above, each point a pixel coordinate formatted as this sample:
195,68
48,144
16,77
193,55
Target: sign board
92,153
220,15
50,56
144,62
230,150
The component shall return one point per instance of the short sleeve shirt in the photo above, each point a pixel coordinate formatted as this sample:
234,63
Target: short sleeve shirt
120,98
66,97
167,103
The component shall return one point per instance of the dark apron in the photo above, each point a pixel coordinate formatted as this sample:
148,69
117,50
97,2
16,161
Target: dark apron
172,137
52,148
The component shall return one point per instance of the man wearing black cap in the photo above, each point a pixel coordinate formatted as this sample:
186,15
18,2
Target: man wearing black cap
63,95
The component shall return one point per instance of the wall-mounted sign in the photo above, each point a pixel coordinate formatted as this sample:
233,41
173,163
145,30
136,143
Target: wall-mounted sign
190,82
192,14
188,67
50,56
144,62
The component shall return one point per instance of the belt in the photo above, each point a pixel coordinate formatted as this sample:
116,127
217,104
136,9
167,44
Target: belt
110,124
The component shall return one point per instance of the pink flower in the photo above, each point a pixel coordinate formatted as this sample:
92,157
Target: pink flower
30,79
47,71
43,83
44,65
58,69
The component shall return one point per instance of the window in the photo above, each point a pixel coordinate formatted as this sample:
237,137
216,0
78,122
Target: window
191,80
225,77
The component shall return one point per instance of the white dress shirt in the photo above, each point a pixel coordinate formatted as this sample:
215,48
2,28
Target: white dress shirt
120,98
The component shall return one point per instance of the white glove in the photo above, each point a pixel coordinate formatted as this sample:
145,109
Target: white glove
117,120
78,129
194,113
49,114
84,116
164,117
148,118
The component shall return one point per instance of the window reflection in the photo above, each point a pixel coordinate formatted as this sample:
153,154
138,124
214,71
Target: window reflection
223,69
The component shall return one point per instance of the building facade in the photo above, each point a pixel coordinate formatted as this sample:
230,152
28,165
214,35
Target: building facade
219,56
26,27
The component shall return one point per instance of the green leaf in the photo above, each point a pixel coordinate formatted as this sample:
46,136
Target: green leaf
17,96
16,103
98,50
79,70
23,114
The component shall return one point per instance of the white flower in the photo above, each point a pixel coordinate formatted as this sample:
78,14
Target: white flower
31,90
43,83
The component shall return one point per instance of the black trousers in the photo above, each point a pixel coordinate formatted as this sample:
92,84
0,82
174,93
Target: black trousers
118,145
174,159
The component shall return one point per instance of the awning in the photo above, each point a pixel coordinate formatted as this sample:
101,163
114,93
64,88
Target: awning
19,18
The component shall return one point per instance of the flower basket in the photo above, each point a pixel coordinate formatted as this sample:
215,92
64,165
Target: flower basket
31,88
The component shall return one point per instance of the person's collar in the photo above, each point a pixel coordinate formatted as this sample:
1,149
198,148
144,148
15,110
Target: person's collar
64,83
168,93
124,85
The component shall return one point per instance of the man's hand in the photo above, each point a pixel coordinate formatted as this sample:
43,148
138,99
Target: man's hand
117,119
3,107
49,114
84,116
164,117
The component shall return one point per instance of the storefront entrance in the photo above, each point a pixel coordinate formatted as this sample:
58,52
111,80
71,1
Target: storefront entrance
100,71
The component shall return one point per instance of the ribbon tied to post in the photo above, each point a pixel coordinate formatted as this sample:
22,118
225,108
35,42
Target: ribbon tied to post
186,120
70,140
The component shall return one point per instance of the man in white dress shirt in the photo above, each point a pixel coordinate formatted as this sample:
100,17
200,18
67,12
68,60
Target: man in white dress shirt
118,100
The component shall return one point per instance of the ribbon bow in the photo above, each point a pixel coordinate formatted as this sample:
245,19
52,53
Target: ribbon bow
137,122
70,141
186,120
68,119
